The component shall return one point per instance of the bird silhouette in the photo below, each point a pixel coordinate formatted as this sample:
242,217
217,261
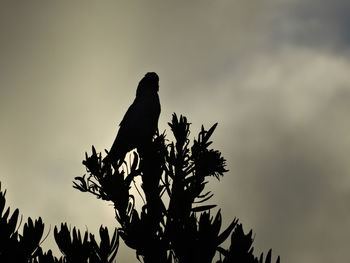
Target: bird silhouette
140,122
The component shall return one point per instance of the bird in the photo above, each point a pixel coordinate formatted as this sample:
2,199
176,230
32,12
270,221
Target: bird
140,122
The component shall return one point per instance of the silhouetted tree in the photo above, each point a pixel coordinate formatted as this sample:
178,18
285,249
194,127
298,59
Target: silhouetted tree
175,223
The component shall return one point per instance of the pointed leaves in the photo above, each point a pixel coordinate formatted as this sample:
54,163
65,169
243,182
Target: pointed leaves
182,232
225,234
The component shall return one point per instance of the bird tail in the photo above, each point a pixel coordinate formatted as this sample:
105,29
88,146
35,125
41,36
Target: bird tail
114,157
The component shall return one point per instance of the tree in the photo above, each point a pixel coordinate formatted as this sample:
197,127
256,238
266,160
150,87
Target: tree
175,224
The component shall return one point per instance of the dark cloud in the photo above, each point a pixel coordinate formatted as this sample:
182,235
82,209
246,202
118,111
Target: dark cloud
315,24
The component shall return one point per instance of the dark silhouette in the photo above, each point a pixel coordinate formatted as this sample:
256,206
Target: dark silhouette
25,247
140,122
175,224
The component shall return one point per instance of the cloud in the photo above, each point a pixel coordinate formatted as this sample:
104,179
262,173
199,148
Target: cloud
316,24
287,143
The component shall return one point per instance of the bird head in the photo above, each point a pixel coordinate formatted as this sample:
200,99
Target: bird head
149,84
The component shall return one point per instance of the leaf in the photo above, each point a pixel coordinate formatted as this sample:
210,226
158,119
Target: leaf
83,187
203,200
268,257
210,132
93,150
13,221
224,235
261,259
202,208
217,222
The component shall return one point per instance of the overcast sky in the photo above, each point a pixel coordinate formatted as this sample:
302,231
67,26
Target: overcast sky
275,74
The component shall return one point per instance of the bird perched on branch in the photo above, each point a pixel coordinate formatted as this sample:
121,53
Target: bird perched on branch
140,122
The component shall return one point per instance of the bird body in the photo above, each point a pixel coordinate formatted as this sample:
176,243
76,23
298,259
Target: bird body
140,122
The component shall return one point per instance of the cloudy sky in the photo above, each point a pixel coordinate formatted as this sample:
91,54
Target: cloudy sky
273,73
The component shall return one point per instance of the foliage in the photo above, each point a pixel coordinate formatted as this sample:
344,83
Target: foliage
175,224
86,249
25,247
14,246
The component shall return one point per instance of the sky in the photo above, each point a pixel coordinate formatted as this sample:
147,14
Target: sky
273,73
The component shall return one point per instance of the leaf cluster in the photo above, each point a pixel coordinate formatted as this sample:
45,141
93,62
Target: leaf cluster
175,223
16,247
76,248
25,247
